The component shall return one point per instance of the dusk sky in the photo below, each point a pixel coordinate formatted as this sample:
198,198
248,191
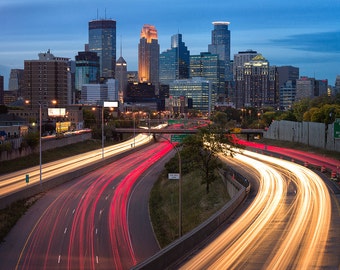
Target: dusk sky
301,33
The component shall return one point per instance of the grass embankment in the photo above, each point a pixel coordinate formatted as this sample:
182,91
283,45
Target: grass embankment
197,205
49,156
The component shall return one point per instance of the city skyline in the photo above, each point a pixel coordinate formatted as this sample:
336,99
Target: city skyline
304,33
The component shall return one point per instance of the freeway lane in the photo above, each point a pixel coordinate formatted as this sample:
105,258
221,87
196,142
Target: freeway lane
15,181
286,227
85,226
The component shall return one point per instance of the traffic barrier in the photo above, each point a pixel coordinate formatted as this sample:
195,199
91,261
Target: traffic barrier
333,175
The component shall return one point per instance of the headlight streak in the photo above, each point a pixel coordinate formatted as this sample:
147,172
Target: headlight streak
15,181
301,244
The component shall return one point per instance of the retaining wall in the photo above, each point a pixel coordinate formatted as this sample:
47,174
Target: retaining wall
310,133
173,252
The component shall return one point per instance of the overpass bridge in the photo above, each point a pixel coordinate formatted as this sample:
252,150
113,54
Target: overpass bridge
247,132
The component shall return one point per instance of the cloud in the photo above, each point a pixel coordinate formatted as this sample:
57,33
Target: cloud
324,42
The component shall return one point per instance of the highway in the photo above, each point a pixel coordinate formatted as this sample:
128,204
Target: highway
15,181
85,226
287,225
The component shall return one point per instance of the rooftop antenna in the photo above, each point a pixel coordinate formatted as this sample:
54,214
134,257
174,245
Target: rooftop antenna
121,50
97,13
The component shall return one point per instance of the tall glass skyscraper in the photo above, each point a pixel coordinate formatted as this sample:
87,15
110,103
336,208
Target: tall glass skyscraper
148,55
220,44
102,40
87,69
209,66
174,63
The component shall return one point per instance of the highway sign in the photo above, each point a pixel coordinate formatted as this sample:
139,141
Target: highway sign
337,128
178,137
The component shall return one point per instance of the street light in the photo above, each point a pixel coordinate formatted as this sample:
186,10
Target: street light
40,142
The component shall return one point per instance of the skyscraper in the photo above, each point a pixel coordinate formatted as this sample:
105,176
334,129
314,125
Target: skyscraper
258,85
220,45
148,55
174,63
121,77
102,40
208,66
1,90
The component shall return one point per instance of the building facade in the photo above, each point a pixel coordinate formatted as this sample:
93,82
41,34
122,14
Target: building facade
210,67
174,63
102,40
1,90
96,94
46,80
220,45
197,89
87,69
310,87
257,84
122,78
148,55
287,94
16,81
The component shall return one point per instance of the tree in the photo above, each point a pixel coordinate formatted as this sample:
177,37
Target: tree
204,148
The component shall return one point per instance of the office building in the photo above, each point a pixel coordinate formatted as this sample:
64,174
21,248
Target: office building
174,62
45,80
287,73
337,85
87,69
148,55
220,45
210,67
96,94
257,84
197,89
122,78
16,81
310,87
1,90
102,40
287,94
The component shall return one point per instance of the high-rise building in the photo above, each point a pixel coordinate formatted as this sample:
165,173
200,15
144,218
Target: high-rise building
1,90
257,84
210,67
337,85
87,69
122,78
287,94
239,59
95,94
310,87
287,73
197,89
102,40
46,80
174,63
220,45
148,55
16,81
